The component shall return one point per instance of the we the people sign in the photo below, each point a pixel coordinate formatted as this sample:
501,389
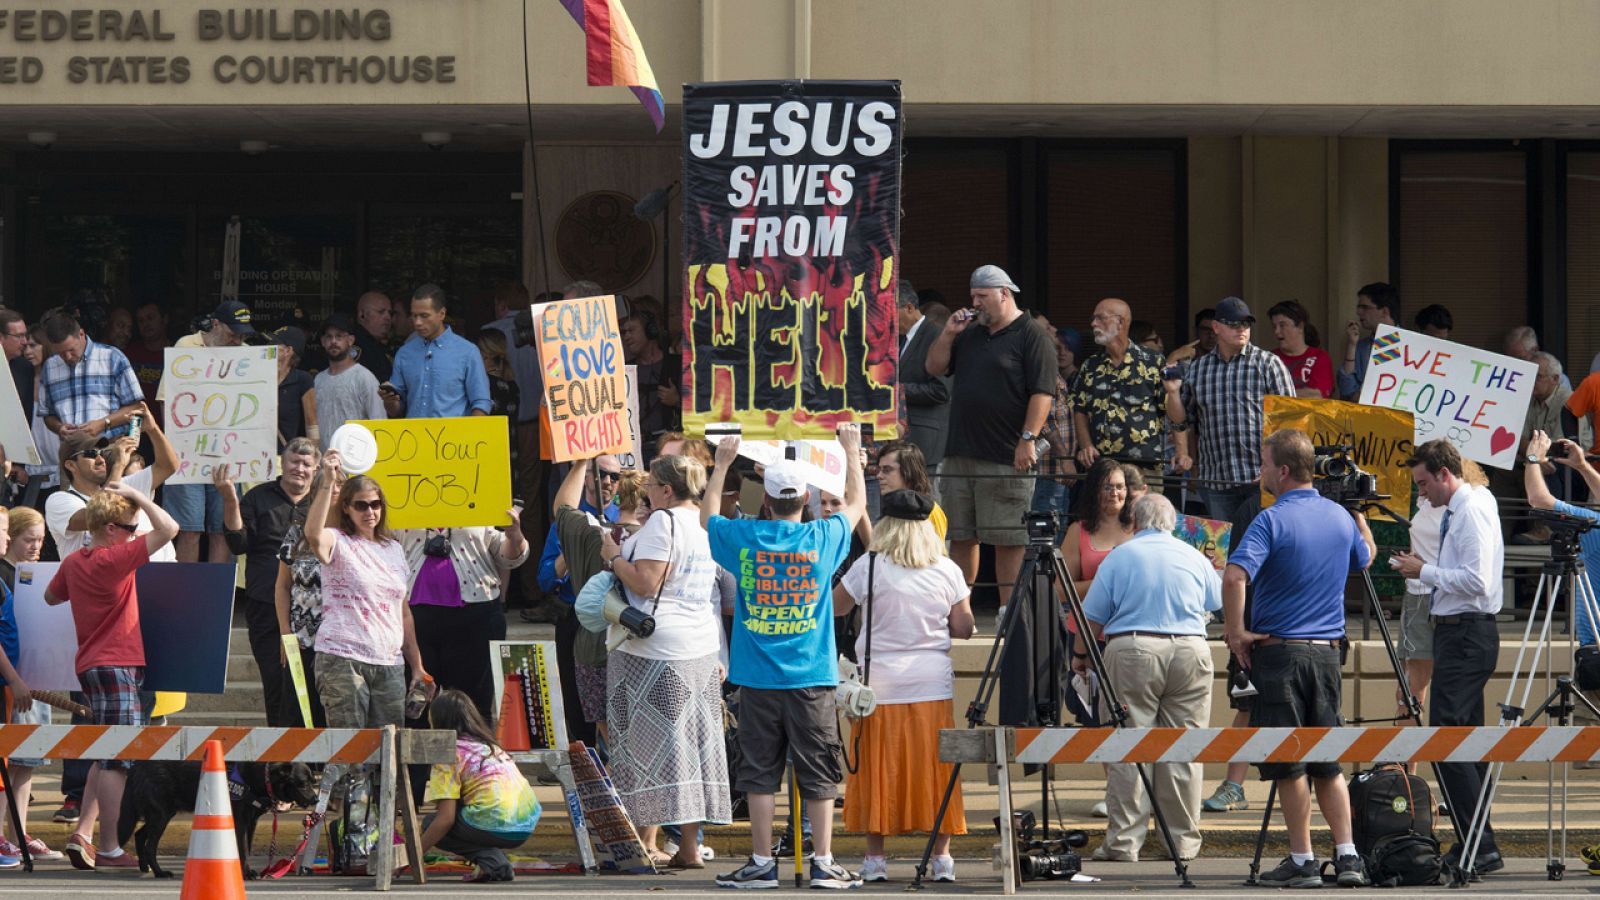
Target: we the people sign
791,254
1472,398
222,410
444,473
585,388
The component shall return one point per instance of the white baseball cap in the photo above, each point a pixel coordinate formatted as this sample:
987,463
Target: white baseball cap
785,479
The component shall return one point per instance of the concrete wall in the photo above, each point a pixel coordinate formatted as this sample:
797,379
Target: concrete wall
1276,218
1293,52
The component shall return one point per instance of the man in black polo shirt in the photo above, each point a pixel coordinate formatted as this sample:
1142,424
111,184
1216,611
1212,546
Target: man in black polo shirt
254,527
1005,380
375,318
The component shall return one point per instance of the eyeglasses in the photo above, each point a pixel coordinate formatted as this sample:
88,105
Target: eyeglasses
652,483
367,505
1366,306
1113,488
131,529
91,454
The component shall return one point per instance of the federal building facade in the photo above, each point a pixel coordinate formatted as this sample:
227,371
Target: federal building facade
1170,152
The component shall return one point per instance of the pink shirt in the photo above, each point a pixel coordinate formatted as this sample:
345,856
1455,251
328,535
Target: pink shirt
363,601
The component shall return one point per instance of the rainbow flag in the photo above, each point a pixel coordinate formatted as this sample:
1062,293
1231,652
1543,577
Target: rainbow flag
615,55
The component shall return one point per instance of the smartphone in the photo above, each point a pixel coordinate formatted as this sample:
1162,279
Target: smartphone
135,423
386,386
1172,373
618,534
962,315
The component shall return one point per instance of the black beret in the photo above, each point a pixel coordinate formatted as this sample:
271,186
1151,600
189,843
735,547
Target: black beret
906,505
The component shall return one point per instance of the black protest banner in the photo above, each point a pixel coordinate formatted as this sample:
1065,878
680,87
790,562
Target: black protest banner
791,254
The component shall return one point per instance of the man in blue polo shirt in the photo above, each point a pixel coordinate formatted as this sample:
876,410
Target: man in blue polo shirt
1297,553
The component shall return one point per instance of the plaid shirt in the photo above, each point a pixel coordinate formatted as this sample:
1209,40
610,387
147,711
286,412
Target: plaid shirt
101,383
1223,400
1058,430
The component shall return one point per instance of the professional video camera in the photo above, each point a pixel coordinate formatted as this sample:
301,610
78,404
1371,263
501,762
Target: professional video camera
1039,860
1043,526
1564,531
1337,477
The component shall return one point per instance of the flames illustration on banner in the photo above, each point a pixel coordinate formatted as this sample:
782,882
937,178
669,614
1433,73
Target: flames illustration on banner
791,249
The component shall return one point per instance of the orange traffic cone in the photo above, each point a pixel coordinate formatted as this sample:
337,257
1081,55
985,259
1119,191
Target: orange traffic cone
212,871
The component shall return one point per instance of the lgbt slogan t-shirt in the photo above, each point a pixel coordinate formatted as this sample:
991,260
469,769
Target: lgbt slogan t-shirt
783,623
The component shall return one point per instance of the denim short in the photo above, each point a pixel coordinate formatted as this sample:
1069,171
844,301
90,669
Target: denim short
197,507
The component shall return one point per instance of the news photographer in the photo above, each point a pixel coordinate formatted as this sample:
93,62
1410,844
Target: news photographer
1150,603
663,690
914,600
1297,554
1467,590
1569,454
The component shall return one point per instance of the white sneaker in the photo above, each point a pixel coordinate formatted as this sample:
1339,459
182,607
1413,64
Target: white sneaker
944,869
1099,810
875,868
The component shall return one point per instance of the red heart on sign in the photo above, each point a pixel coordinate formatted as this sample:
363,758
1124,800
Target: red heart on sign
1501,439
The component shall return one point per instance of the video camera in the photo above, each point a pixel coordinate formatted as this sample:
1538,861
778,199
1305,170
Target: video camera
1338,478
1045,860
1565,531
1042,525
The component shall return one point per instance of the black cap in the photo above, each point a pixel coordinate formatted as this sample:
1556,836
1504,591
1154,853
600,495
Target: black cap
291,337
1233,311
906,505
236,315
342,321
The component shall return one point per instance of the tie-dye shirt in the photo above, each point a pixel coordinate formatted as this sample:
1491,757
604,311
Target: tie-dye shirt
493,796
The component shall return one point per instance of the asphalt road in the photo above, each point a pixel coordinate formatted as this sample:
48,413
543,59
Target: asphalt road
1212,877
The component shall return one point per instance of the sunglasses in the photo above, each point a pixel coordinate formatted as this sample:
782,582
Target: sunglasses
367,505
91,453
131,529
609,476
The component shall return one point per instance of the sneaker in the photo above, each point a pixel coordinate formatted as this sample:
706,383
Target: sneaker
10,862
944,869
751,876
1349,871
784,848
9,849
122,860
1590,854
874,868
1228,797
40,851
1288,874
830,876
68,813
80,852
1099,810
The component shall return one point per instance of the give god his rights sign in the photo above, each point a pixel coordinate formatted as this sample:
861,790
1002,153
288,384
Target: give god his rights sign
1472,398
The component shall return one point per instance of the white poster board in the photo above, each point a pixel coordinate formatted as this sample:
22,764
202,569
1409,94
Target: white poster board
1472,398
47,638
222,409
631,459
823,461
16,429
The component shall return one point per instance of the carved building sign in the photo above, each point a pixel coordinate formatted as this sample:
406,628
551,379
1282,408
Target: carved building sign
321,46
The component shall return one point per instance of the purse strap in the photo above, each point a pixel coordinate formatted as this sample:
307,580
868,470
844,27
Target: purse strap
672,522
866,659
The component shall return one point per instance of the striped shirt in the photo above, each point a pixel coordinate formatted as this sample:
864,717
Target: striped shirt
101,383
1222,398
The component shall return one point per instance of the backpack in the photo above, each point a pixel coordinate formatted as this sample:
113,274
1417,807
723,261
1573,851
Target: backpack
1391,818
353,836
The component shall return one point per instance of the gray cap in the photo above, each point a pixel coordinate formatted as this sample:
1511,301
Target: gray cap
992,277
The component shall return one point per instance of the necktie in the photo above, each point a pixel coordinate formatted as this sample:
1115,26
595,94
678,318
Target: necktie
902,343
1444,529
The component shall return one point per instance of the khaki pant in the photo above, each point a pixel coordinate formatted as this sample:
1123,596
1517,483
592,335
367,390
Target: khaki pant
1166,683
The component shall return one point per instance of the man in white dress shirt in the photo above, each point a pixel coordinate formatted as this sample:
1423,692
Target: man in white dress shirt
1467,592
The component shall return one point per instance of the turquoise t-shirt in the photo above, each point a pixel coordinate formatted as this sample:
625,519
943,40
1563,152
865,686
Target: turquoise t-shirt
783,623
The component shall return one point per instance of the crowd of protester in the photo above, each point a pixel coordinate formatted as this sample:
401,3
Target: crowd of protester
757,580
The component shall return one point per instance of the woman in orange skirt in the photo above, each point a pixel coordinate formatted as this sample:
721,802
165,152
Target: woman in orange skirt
914,602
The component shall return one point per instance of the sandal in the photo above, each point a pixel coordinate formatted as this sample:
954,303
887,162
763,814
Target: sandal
661,860
677,863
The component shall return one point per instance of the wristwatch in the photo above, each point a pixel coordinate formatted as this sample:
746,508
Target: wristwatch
1532,459
1028,435
607,564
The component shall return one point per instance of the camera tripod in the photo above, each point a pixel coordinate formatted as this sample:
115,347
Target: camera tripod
1564,572
1039,650
1408,697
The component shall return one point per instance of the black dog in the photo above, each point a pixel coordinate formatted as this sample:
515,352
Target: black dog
157,791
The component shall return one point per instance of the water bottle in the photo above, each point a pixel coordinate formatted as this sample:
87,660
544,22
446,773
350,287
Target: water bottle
420,696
